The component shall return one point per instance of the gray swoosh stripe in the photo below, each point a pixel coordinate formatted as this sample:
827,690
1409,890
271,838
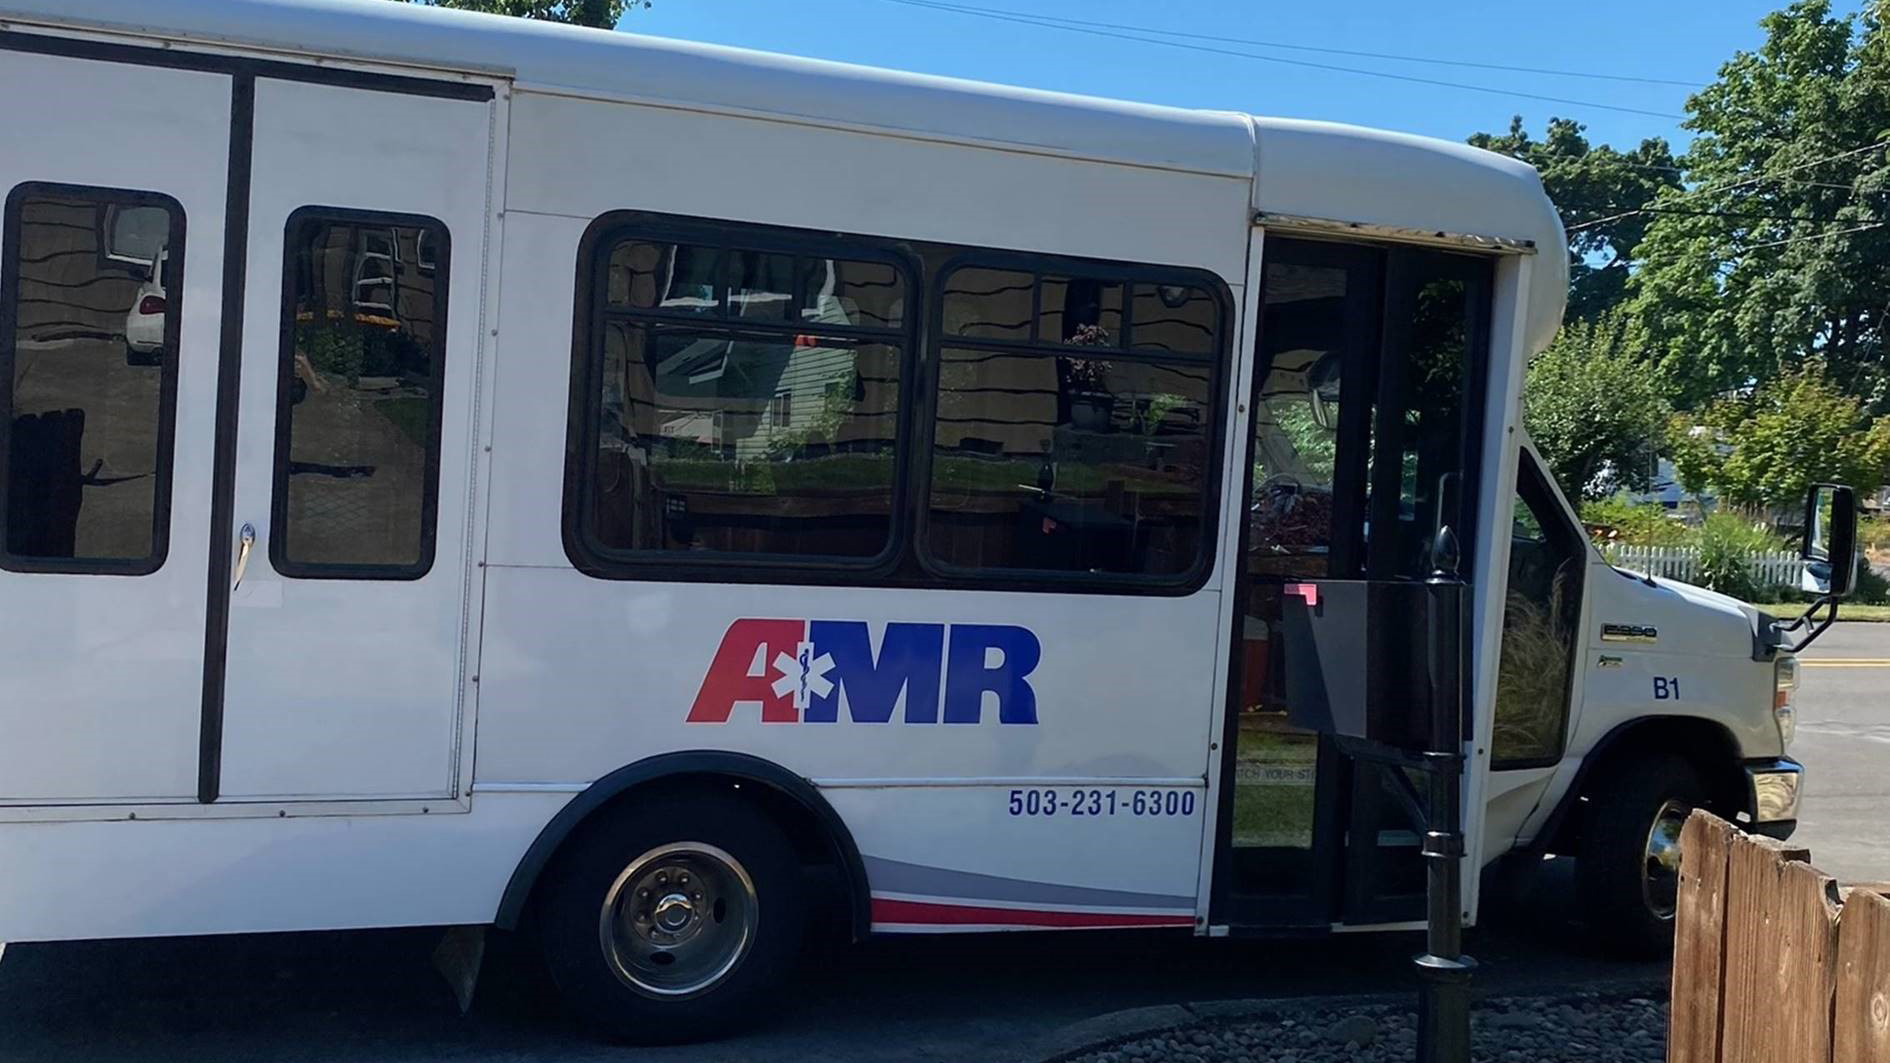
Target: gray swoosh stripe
895,876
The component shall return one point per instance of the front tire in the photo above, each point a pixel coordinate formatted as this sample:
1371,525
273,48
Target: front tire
1627,873
673,918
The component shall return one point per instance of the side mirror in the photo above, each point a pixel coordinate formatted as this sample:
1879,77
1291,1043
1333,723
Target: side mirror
1831,536
1322,389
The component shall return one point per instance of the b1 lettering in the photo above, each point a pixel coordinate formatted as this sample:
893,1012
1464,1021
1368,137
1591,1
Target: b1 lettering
1666,688
804,671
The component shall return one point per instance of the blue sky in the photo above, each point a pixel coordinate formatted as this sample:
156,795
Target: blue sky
1682,40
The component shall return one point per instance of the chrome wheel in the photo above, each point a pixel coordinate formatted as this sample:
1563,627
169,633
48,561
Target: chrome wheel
678,919
1660,870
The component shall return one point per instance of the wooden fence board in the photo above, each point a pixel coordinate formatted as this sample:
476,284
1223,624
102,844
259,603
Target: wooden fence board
1756,953
1699,940
1861,1020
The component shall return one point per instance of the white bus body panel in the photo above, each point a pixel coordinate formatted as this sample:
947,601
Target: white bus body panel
162,878
580,676
102,687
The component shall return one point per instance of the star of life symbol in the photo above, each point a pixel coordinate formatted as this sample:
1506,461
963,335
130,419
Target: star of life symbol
803,674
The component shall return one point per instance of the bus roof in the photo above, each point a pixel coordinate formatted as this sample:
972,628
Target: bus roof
1307,169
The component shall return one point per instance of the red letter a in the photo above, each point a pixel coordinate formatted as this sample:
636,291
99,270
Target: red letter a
743,671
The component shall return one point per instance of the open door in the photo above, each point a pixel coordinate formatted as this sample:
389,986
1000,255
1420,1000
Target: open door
1366,417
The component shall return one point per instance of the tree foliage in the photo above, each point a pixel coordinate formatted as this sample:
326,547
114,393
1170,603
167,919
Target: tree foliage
1594,411
1764,450
1596,184
1775,255
602,14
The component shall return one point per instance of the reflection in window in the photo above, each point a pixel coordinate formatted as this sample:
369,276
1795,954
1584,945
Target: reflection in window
767,426
1053,460
363,356
1296,422
1430,456
1175,319
88,377
993,304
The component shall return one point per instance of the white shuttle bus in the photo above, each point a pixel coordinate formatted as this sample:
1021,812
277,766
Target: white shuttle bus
460,471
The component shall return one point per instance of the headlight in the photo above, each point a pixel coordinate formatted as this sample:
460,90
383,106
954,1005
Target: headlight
1785,688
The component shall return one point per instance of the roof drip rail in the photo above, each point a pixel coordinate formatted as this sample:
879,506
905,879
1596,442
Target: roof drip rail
1327,227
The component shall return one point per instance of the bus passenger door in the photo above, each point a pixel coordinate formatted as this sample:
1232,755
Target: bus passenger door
350,530
113,179
1366,417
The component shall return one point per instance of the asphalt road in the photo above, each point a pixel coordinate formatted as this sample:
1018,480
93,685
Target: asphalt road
372,997
1844,743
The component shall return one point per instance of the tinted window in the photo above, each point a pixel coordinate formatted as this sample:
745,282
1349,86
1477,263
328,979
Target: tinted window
363,351
1303,343
1054,460
1424,436
1541,617
766,426
88,363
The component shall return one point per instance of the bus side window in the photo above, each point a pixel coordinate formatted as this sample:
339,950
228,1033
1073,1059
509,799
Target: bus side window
88,378
1541,615
1074,430
359,400
743,402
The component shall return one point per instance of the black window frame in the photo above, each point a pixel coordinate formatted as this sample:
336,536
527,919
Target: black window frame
593,310
164,466
920,264
1216,361
284,406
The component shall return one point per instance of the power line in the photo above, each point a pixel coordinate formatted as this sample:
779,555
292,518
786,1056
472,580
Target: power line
1681,170
1031,20
970,9
1706,213
1729,186
1814,236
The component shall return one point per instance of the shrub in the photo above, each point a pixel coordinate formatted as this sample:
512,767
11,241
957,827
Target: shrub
1727,542
1634,523
1872,588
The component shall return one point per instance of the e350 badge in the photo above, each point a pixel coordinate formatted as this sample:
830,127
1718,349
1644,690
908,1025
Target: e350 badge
808,671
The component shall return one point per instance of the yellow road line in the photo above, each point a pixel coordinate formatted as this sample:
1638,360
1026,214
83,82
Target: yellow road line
1846,662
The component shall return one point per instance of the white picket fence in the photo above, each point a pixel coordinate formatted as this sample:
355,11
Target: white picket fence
1769,569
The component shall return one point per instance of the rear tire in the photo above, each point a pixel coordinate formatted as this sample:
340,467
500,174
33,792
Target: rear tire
673,918
1626,872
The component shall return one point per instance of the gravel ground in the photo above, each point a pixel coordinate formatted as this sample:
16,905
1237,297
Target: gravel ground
1583,1028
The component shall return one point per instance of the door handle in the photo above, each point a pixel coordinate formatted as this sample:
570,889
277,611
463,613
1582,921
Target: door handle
248,543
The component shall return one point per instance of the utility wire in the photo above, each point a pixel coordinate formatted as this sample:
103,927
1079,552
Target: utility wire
1707,213
970,9
1814,236
1725,186
1032,20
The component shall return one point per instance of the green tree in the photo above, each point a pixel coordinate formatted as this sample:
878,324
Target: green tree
1596,185
1764,450
603,14
1594,410
1777,253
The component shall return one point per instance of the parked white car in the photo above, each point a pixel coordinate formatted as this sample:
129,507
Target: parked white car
144,322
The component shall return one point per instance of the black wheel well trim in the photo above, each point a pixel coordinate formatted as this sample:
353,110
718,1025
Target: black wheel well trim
682,766
1622,737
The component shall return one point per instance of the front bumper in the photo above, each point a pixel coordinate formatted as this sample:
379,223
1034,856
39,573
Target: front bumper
1775,787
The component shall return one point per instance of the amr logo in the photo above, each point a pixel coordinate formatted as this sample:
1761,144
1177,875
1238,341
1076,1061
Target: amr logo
816,671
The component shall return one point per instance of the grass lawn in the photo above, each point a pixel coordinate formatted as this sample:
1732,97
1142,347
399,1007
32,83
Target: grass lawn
1877,614
1273,813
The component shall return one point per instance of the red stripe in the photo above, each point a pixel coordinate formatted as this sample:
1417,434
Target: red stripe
889,911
